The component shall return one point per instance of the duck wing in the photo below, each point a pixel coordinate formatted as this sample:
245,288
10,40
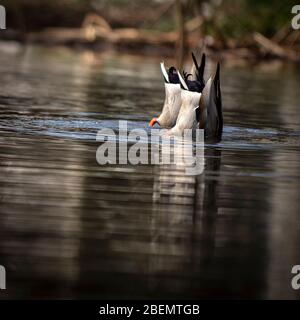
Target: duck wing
209,113
218,102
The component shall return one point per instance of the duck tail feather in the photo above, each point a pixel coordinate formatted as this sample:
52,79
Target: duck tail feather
218,102
195,61
202,67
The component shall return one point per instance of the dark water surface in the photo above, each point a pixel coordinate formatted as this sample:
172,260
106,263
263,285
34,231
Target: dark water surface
70,228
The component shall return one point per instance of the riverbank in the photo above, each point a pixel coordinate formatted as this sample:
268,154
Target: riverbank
152,43
171,28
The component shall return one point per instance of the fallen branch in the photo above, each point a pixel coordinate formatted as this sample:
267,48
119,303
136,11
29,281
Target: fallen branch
272,48
91,35
96,28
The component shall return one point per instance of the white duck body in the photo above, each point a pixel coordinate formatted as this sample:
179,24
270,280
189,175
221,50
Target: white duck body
187,116
170,111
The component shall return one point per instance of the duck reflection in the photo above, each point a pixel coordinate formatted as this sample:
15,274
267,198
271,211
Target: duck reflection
184,215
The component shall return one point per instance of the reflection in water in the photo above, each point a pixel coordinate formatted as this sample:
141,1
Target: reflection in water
72,228
39,241
183,219
200,249
284,238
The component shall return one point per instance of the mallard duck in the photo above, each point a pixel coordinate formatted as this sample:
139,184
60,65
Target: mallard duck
172,104
201,109
168,116
190,97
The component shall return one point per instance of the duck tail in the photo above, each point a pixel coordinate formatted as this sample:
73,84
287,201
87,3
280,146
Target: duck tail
195,61
218,102
200,69
202,66
183,84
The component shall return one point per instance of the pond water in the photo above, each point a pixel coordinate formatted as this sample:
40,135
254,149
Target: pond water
71,228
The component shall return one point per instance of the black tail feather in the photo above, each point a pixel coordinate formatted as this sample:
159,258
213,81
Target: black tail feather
218,101
200,70
186,75
202,67
195,61
173,76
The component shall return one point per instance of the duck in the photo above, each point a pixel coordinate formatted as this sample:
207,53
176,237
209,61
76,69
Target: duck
192,103
190,96
201,105
172,103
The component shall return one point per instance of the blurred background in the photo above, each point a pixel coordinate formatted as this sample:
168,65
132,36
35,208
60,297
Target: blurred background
71,228
231,29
